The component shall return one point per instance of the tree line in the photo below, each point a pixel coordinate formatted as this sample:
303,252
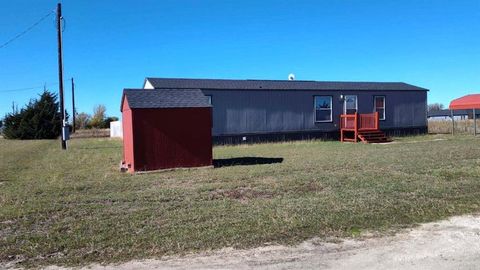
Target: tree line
41,119
435,107
99,119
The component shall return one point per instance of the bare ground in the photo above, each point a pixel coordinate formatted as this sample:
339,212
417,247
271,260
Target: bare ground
448,244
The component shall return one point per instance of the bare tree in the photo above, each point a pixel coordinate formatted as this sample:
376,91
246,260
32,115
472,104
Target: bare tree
82,120
434,107
99,115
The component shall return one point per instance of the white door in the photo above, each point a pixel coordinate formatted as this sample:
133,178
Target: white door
350,105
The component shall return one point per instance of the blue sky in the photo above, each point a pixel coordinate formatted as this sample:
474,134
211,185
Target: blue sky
110,45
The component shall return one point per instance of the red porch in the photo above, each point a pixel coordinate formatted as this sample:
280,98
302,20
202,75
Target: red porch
363,127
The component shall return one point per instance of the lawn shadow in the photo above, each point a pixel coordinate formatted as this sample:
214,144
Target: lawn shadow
226,162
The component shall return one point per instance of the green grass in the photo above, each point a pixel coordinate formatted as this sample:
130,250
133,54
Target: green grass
75,207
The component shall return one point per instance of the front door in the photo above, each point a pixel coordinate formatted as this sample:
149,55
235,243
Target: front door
350,105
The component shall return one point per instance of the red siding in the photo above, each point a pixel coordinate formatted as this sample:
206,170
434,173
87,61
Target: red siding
167,138
127,136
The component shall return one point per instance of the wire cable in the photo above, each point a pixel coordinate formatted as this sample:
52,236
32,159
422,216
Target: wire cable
26,30
29,88
24,89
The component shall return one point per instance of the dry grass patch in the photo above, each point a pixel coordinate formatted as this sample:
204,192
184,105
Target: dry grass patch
445,126
74,207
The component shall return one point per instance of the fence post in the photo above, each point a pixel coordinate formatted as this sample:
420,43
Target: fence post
474,123
453,122
341,128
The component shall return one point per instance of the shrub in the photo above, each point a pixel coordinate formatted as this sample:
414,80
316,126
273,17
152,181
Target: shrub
82,120
106,122
98,118
40,119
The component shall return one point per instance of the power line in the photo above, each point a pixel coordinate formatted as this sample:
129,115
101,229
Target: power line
28,88
26,30
20,89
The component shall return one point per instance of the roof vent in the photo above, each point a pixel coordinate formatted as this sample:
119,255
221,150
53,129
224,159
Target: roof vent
291,77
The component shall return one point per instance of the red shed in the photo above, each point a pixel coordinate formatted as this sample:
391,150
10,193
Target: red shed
168,128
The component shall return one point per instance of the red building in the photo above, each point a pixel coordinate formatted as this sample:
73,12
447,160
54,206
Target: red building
168,128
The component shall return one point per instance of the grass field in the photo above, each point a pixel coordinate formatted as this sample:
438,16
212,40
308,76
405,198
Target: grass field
75,207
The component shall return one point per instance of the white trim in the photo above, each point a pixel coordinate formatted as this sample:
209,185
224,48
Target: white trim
148,85
345,103
322,109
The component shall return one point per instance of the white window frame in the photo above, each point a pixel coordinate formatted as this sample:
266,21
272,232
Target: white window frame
322,109
384,116
345,103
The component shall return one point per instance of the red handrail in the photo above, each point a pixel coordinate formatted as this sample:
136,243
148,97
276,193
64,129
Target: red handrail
348,121
368,121
358,122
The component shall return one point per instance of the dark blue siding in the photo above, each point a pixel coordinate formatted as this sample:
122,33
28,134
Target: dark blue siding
263,111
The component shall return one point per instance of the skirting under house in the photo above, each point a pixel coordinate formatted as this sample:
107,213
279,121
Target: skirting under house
306,135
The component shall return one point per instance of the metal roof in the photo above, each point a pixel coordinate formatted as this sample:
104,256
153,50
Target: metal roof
222,84
165,98
466,102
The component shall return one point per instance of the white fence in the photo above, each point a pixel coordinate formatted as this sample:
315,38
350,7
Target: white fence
116,129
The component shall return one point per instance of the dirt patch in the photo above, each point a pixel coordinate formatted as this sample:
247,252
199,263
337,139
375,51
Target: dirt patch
312,186
242,194
420,141
449,244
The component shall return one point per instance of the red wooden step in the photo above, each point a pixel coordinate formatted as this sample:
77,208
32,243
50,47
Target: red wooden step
374,136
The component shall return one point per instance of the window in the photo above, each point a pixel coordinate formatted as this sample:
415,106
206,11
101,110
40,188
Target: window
350,104
323,108
380,106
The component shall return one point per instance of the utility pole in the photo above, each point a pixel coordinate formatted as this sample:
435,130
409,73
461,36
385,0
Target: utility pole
60,73
73,105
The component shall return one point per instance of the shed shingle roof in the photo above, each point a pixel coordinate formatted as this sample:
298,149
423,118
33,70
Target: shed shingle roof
165,98
165,83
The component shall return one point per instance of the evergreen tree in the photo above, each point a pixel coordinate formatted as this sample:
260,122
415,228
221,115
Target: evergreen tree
40,119
106,122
